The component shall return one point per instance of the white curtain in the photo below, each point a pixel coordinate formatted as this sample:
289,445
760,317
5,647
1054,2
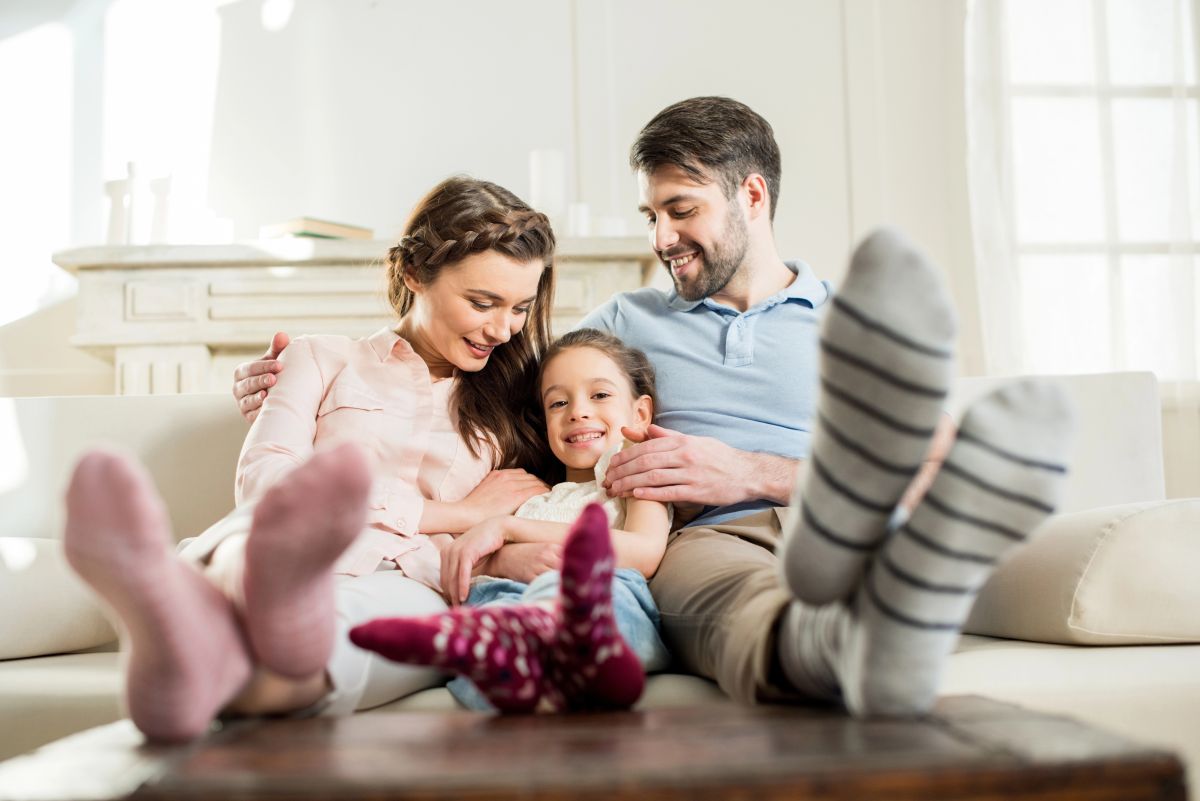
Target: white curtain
1084,165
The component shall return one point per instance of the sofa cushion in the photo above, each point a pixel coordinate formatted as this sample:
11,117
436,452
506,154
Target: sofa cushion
58,612
1110,576
48,697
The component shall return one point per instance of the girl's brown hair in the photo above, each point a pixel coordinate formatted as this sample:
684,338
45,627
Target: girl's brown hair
459,217
632,362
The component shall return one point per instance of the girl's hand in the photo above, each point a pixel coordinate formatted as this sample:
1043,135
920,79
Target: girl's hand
525,561
468,550
502,492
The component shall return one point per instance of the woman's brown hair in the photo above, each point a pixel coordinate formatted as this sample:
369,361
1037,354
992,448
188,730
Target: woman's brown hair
459,217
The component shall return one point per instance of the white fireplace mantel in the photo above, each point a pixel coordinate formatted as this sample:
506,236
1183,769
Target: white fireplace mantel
177,318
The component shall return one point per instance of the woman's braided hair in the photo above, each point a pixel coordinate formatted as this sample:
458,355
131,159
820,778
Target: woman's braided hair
459,217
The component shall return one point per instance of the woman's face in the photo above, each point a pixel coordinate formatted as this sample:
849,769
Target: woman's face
471,307
587,398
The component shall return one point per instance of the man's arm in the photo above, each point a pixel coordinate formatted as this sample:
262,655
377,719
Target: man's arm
253,380
939,448
679,468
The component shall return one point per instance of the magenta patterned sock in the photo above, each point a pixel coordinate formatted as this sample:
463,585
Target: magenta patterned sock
568,655
597,668
502,649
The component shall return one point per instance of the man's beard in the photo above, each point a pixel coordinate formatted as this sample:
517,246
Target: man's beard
719,263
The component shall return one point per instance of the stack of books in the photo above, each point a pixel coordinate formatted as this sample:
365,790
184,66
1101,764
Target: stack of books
321,229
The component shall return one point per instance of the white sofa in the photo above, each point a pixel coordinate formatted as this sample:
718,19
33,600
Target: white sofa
1104,586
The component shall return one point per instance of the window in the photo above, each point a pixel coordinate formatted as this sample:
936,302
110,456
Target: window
1085,179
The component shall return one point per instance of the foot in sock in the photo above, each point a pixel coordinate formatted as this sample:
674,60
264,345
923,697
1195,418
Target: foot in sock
597,668
504,650
300,527
886,364
186,656
568,655
1001,479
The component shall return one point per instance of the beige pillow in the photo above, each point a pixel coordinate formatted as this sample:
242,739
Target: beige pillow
47,608
1110,576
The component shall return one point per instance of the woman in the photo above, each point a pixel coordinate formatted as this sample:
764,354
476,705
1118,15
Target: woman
367,456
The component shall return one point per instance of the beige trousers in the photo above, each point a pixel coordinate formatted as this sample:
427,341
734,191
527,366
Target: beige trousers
721,598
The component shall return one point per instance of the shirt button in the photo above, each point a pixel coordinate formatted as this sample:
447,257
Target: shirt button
401,523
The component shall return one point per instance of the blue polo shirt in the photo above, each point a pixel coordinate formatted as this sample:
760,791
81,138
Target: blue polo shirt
746,378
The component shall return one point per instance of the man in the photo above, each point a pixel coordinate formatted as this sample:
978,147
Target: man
837,609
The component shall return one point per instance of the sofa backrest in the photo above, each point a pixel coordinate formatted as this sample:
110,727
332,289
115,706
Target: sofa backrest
1117,455
190,444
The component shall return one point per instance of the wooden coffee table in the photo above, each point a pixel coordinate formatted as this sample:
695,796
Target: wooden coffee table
969,748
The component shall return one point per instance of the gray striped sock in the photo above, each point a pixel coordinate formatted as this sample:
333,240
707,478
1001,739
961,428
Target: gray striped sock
1001,479
886,365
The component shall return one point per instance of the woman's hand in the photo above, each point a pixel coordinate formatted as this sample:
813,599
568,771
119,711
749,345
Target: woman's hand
525,561
469,549
501,493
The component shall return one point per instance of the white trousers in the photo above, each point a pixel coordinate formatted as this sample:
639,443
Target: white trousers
361,679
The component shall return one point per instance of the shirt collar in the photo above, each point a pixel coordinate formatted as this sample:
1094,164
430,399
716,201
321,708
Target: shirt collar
385,341
806,289
382,342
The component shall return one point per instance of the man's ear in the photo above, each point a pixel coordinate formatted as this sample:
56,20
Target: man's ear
758,196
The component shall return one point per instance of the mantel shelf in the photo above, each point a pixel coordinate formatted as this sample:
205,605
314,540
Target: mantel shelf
301,252
177,318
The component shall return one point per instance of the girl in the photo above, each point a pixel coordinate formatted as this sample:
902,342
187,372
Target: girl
249,618
584,644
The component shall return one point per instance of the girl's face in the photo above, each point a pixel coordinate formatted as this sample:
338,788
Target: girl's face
470,308
587,398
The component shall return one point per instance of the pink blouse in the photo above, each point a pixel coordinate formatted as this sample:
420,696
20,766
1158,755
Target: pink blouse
378,393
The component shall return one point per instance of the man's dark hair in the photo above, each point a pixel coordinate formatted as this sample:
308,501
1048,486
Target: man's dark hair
711,137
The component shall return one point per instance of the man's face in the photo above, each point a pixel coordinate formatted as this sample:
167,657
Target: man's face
699,235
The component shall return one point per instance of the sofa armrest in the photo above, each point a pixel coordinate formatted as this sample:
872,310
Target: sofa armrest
47,608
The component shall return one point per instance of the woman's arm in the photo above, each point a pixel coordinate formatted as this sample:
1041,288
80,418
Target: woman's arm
640,545
282,435
501,492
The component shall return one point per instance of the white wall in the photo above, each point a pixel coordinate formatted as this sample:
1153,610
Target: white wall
356,107
36,357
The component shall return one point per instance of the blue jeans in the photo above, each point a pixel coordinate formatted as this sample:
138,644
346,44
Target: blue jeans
634,609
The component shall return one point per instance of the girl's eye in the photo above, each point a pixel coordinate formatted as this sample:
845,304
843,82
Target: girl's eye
557,404
521,309
601,395
481,306
649,222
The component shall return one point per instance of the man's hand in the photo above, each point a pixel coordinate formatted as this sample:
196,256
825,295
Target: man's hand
939,448
524,561
252,380
501,493
672,468
468,550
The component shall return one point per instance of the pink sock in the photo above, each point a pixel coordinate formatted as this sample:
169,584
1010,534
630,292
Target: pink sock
300,527
186,654
566,656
